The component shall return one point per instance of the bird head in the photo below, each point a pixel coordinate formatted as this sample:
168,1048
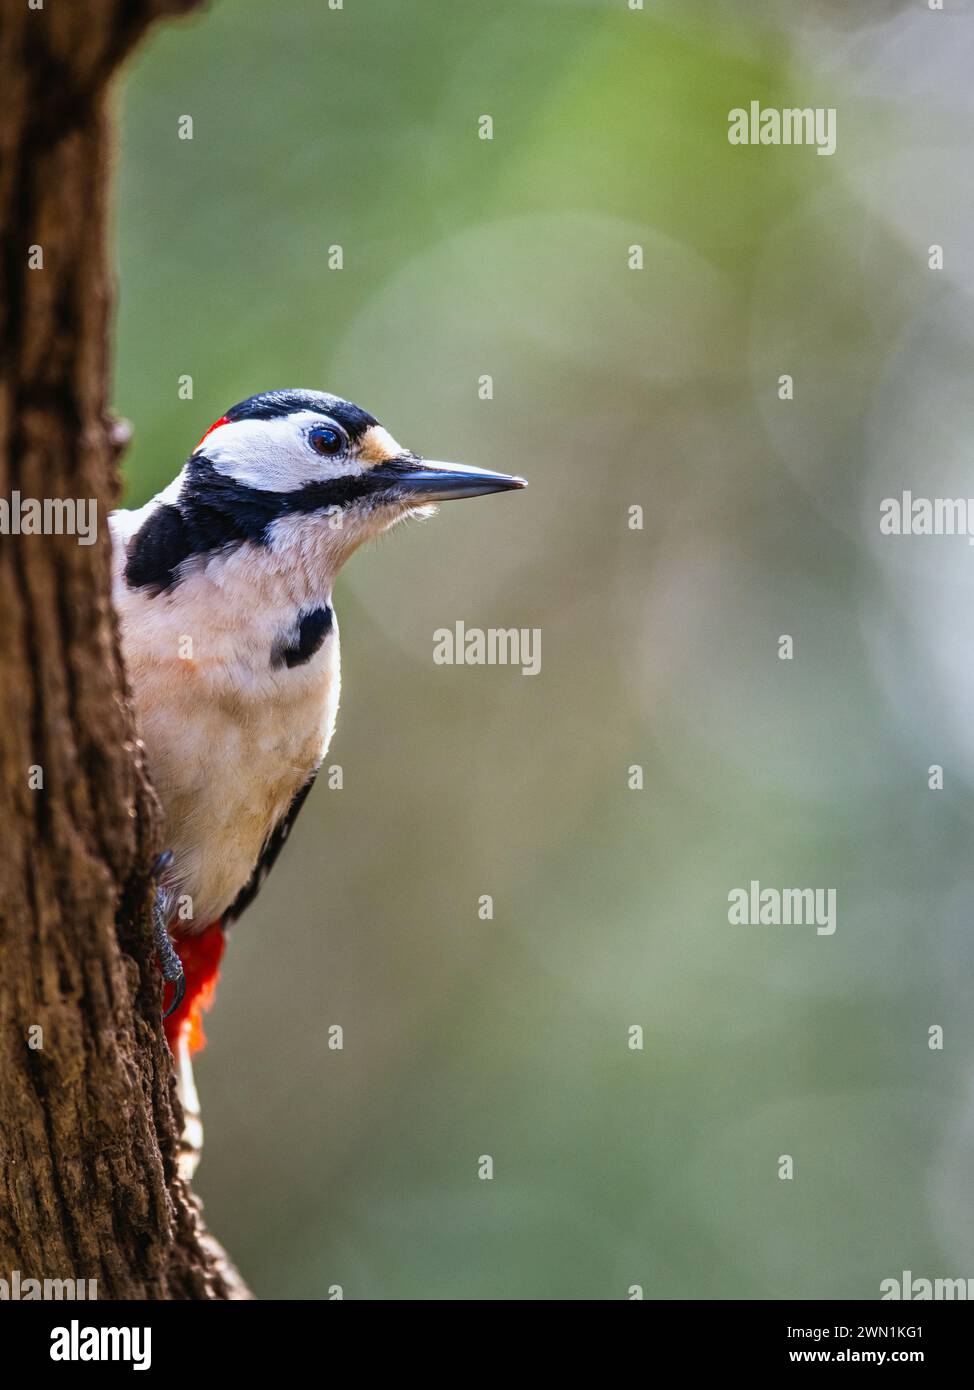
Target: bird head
306,455
303,476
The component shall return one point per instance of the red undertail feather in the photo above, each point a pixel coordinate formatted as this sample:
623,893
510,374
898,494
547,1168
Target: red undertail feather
201,956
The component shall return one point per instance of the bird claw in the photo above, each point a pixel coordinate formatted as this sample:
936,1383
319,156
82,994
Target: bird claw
162,863
172,966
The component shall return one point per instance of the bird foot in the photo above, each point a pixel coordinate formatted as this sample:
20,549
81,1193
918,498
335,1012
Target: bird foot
172,966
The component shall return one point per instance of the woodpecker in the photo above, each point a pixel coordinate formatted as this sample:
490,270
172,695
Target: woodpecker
223,587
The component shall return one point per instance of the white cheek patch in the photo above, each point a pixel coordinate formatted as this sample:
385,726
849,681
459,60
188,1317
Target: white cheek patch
273,455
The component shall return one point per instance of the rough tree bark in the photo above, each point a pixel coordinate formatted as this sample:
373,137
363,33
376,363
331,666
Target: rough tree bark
88,1115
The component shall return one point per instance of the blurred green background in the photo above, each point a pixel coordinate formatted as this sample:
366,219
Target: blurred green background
613,387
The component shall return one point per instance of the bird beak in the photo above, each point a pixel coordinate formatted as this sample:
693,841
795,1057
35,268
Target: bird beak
425,480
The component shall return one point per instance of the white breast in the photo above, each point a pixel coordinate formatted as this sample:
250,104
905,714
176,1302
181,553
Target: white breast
229,739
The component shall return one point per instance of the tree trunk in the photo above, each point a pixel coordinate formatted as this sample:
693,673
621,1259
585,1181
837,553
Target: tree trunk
89,1121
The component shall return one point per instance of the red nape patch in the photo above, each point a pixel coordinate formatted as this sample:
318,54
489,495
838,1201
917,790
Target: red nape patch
201,956
223,420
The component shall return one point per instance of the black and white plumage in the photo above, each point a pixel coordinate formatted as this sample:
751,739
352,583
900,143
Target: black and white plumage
223,586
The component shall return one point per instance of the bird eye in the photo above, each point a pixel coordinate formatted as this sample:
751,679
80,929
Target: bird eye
326,440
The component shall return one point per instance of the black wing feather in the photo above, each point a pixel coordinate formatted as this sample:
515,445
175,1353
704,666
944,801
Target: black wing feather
268,855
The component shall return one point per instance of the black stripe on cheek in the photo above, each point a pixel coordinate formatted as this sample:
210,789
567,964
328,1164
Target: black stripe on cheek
214,514
313,627
156,550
